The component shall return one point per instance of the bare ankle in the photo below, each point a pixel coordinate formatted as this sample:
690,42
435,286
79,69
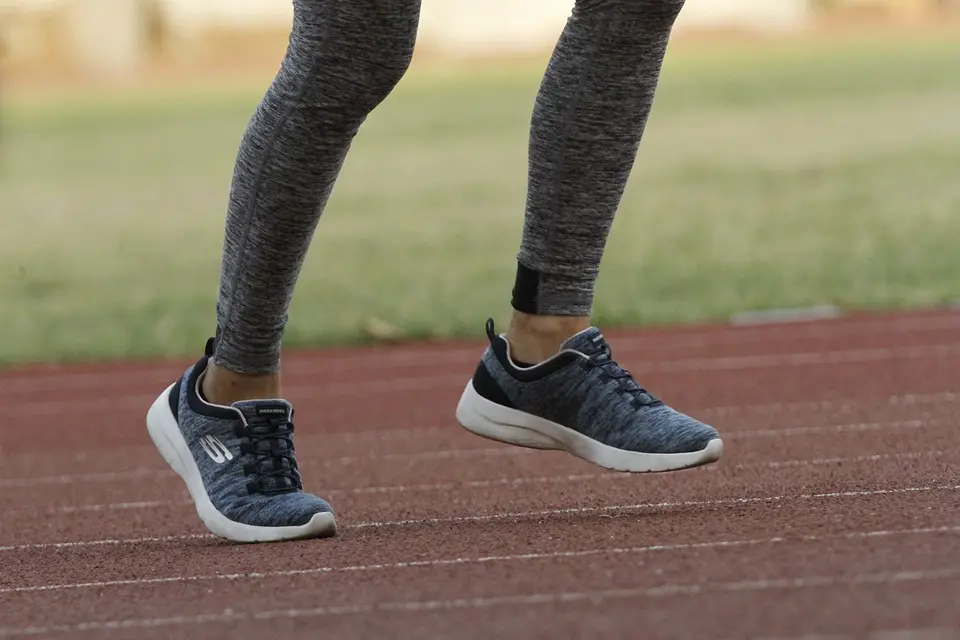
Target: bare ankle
534,339
224,387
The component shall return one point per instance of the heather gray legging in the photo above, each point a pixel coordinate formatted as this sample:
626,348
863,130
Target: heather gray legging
344,58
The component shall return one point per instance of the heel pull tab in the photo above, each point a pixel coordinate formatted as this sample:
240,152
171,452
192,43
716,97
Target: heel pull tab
211,347
491,330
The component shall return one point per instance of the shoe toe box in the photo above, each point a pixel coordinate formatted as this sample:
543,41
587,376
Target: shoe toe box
279,510
669,431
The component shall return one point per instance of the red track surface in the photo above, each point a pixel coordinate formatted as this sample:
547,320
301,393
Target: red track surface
835,511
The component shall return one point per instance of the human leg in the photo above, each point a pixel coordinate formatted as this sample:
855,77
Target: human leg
343,60
223,427
587,125
588,121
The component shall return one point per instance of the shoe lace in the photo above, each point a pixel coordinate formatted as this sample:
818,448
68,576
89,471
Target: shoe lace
603,359
273,465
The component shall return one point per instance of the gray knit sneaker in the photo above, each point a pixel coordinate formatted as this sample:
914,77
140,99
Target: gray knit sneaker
238,463
582,402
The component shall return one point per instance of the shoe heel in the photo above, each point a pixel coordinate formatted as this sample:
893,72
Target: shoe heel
160,424
480,416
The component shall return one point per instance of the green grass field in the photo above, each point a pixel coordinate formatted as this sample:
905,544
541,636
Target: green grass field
770,176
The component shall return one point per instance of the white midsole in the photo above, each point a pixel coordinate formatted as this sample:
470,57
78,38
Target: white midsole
166,435
503,424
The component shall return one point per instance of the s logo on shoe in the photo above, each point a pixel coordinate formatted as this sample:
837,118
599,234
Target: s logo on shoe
217,451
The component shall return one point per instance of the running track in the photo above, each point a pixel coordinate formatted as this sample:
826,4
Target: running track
835,512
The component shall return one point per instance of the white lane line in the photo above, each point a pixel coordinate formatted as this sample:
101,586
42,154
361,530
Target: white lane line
594,598
834,406
512,482
108,542
73,408
741,363
712,544
468,353
610,476
812,636
119,506
411,382
895,425
643,506
878,457
916,634
885,634
807,636
137,474
445,454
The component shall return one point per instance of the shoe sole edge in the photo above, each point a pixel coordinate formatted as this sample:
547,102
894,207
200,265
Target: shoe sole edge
167,437
490,420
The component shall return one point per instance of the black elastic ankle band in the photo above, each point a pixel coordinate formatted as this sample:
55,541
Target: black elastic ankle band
526,290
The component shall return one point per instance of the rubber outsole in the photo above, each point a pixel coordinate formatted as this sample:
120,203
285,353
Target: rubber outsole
165,433
503,424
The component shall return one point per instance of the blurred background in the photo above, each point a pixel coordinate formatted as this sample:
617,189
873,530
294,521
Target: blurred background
801,152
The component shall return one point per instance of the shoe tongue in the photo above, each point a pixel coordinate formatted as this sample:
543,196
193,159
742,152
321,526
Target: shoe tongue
261,410
589,342
267,418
